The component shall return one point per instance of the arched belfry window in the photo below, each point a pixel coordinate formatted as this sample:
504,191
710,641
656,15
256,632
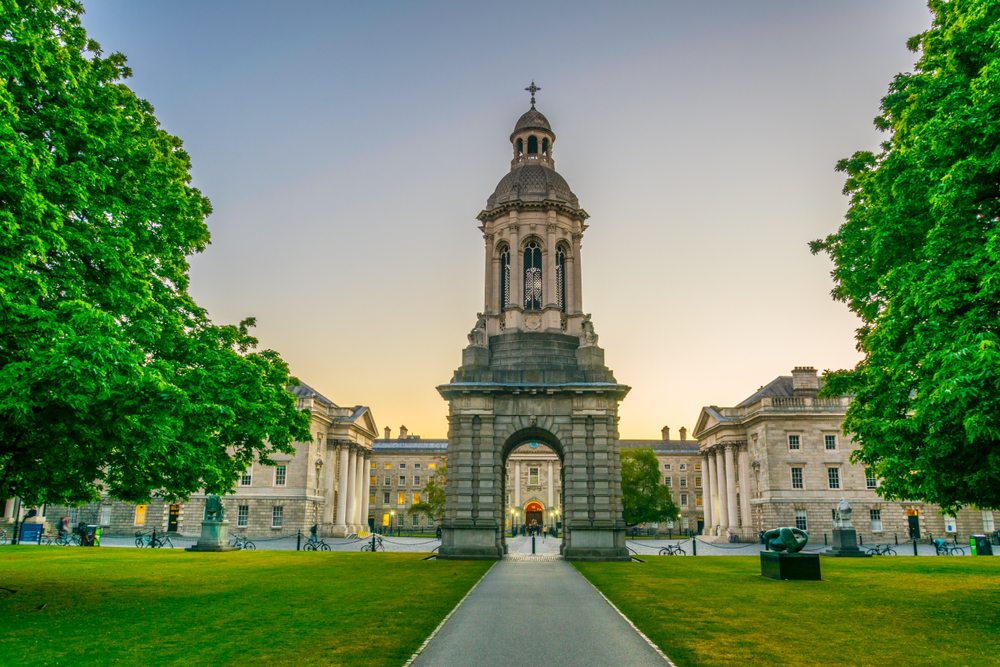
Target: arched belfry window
545,146
520,146
532,145
561,278
532,276
504,278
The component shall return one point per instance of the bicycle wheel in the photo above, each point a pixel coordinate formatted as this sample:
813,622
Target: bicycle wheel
680,552
664,551
366,547
167,543
139,542
958,550
890,552
249,545
325,546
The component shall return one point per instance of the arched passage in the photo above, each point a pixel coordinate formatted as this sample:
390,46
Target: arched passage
532,462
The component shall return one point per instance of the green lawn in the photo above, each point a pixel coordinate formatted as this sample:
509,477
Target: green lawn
79,607
874,611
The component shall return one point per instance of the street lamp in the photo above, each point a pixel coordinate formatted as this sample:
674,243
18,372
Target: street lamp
392,518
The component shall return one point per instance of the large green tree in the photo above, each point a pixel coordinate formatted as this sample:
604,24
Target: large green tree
645,497
111,377
918,260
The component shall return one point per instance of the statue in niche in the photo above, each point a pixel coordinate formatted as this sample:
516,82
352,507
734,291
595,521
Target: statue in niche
844,512
478,337
589,337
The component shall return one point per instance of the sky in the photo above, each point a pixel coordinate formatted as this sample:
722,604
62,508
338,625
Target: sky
347,149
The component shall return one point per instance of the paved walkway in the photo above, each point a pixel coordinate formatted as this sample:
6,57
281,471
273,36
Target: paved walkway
495,626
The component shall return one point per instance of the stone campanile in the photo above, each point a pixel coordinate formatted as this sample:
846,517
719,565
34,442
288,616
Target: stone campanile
533,371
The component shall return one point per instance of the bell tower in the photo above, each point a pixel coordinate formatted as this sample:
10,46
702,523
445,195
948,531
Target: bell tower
533,371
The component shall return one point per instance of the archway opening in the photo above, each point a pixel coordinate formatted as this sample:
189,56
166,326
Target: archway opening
533,487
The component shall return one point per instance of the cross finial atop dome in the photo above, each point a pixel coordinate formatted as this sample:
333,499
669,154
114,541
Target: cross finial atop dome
532,89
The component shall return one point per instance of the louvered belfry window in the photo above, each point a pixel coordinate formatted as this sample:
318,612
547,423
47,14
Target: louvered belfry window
532,276
561,279
504,278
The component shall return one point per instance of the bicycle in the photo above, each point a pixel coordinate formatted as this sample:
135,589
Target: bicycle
880,551
379,546
315,544
141,540
162,541
243,543
66,540
942,548
3,537
672,550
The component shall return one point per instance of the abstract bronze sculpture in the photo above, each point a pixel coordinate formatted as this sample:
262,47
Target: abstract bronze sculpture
789,540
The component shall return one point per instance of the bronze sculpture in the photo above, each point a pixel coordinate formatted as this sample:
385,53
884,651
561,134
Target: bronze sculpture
789,540
214,510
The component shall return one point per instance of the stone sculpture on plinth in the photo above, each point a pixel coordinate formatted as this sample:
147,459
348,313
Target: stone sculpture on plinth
214,529
784,560
845,538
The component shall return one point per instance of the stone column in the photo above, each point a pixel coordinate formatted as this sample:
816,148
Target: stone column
493,303
360,481
577,277
8,509
329,485
731,486
489,272
551,491
550,265
517,485
345,466
366,491
516,264
720,468
350,489
745,485
569,276
707,489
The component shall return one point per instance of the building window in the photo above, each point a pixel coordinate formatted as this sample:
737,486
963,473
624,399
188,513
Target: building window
402,480
667,481
684,481
416,466
388,465
385,519
416,480
870,480
793,442
697,466
402,466
831,442
374,480
800,520
140,515
247,477
280,474
561,278
833,475
876,518
949,524
371,499
277,515
105,519
374,465
684,500
683,466
684,522
532,476
697,501
697,482
432,466
504,277
416,498
988,521
402,499
532,276
666,466
242,516
796,478
385,498
416,520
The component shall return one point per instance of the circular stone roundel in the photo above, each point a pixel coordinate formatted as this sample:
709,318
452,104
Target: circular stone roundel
533,322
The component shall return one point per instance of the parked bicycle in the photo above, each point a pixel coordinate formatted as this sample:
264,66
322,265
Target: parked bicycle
377,542
66,540
315,544
942,548
672,550
243,543
149,540
880,551
3,537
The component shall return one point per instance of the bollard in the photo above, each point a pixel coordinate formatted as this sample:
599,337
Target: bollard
152,540
914,546
897,538
373,542
298,541
532,544
694,546
824,539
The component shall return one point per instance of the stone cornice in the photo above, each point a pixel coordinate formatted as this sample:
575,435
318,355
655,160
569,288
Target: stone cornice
455,389
573,213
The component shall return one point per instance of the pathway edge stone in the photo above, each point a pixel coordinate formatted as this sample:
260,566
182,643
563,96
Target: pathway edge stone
627,620
440,625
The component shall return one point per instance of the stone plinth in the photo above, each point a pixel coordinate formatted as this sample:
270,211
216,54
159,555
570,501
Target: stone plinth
793,567
845,544
214,537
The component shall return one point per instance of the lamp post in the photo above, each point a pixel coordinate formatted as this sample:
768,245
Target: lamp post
512,522
392,519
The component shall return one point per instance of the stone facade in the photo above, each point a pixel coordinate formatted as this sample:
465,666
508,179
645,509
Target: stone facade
780,458
399,471
301,490
681,469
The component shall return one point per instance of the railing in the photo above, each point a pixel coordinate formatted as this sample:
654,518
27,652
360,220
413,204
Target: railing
787,403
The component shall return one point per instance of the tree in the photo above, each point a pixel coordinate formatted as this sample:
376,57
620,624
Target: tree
918,260
644,497
111,377
433,503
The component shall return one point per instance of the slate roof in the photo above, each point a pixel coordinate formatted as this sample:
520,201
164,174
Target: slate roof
409,446
305,391
779,386
532,119
663,446
532,183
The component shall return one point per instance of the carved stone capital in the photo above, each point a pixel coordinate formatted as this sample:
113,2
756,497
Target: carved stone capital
576,236
551,227
489,239
515,227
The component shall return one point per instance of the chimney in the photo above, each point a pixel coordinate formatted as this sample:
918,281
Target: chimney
388,433
804,381
684,433
665,432
402,433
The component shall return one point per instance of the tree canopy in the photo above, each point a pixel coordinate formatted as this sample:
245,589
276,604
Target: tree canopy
645,497
111,377
918,260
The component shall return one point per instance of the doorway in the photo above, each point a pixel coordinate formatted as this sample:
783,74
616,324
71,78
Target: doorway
534,513
913,517
172,518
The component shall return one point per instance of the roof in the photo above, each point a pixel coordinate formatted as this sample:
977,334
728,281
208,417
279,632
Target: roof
779,386
305,391
663,446
410,446
532,183
532,119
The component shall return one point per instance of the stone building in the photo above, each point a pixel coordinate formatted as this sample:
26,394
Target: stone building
399,471
681,468
780,458
322,483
